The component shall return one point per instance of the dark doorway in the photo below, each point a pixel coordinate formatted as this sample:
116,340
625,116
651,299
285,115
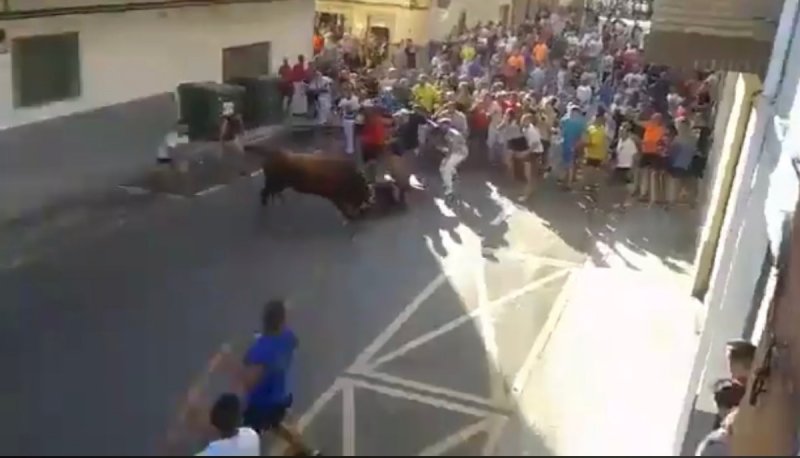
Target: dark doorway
246,61
381,34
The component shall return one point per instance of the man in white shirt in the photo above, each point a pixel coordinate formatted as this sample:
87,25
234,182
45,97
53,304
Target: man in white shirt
584,95
233,440
349,107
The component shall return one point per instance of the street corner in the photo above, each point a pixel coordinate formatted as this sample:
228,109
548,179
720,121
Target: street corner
360,417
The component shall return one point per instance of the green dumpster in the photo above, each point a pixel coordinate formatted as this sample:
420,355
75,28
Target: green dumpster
263,104
200,105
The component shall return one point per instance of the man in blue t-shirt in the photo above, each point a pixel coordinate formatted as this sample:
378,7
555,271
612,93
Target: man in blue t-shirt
267,363
573,129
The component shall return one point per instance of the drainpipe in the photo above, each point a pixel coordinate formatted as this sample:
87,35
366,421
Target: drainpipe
754,148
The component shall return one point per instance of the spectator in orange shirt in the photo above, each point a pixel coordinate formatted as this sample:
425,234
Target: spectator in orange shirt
318,42
651,163
516,62
541,52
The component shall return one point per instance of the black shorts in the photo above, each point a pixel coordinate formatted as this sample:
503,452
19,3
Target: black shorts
518,144
651,161
596,163
546,146
622,175
265,418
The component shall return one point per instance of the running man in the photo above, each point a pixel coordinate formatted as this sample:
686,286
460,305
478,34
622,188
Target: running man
266,379
457,152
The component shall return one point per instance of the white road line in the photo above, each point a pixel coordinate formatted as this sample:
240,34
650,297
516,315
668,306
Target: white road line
214,188
135,190
427,388
495,432
428,336
488,333
528,256
436,402
454,440
447,327
319,404
363,359
348,420
521,378
508,297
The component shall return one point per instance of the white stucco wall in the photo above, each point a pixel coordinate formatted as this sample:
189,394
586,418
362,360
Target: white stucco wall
765,187
137,54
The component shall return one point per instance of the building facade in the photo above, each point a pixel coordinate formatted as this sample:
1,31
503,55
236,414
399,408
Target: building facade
86,85
753,191
419,20
109,57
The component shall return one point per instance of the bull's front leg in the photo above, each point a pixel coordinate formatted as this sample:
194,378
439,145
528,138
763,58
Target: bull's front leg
348,214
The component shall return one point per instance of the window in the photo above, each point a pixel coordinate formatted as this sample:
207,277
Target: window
46,68
246,61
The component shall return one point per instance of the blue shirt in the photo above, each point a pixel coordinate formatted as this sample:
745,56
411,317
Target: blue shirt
274,352
681,155
572,130
606,95
474,69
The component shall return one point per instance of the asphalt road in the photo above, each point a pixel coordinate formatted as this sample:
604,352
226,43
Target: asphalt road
412,333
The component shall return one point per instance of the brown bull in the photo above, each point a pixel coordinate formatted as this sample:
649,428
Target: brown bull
335,178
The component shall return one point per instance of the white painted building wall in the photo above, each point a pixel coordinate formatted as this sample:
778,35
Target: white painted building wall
127,56
765,188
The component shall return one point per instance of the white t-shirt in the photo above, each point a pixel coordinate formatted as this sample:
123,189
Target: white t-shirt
626,150
245,443
349,107
511,43
634,80
534,139
584,94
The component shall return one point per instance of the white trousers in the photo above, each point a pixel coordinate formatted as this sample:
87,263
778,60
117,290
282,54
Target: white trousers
349,128
299,104
324,108
448,168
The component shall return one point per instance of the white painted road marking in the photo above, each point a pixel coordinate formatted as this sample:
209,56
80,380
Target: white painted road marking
454,440
486,309
369,352
493,412
521,379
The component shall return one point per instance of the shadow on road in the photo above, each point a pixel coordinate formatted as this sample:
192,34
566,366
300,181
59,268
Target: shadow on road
102,336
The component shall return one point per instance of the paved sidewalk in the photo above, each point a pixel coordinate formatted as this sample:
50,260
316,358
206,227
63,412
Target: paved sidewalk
612,377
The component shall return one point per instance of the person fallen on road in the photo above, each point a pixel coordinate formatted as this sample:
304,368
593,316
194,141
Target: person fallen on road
173,138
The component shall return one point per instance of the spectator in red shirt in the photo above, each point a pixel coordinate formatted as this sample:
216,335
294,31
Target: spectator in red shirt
373,138
302,100
285,72
300,70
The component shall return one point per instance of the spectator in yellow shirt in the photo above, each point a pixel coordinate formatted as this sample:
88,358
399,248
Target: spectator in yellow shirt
596,151
426,94
468,52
